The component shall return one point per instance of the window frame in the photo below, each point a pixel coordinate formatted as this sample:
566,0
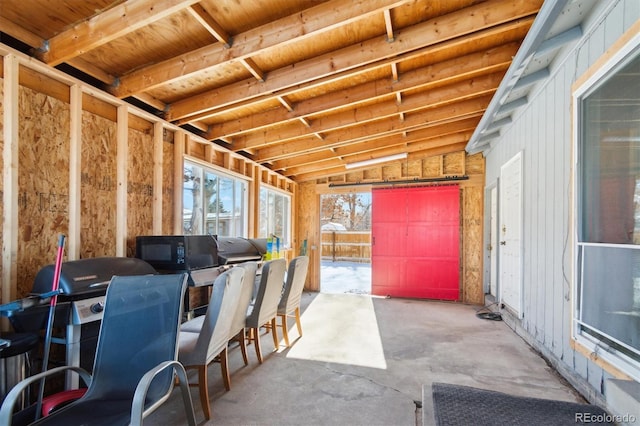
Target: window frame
615,361
224,174
287,239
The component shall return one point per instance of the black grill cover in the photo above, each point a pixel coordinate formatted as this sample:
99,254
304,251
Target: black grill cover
236,250
87,278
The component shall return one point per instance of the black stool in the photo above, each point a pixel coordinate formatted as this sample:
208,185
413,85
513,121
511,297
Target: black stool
15,362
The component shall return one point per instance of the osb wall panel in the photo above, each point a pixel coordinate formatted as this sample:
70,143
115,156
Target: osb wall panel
43,182
472,201
453,164
167,188
414,169
432,167
139,188
475,164
372,174
393,171
98,187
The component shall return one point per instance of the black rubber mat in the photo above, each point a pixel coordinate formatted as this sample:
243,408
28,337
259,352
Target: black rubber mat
455,405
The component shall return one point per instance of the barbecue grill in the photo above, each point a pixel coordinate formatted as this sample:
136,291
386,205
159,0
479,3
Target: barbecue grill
237,250
83,285
202,257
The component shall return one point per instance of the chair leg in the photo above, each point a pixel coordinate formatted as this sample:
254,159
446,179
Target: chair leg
243,346
274,333
255,336
285,334
224,366
204,391
298,323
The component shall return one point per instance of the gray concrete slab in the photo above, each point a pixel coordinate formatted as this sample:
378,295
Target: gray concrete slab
364,360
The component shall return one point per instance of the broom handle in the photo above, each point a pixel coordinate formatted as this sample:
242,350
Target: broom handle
52,309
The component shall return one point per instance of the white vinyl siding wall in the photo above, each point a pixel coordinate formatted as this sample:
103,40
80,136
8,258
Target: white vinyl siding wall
542,130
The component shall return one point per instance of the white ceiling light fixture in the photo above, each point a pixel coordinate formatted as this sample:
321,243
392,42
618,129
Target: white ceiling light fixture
378,160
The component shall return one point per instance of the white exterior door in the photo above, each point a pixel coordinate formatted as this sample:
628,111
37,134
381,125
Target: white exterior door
510,234
493,243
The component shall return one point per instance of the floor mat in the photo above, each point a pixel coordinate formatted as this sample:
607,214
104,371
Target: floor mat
455,405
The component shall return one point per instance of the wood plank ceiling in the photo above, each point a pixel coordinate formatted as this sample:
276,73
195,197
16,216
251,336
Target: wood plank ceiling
301,86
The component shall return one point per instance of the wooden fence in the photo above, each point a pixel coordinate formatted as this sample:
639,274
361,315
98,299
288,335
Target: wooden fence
346,246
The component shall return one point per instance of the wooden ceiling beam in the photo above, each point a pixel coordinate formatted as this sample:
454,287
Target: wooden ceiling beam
91,69
211,25
388,25
453,25
464,67
449,113
444,130
109,25
408,144
285,103
394,72
484,39
19,33
36,42
313,21
382,152
455,92
253,68
340,170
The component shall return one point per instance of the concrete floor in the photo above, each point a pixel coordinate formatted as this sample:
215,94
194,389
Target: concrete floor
364,360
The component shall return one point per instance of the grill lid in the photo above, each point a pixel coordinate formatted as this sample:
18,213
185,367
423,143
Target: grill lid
236,250
89,277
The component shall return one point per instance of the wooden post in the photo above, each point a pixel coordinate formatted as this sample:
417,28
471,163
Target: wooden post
122,139
178,170
158,161
10,177
75,169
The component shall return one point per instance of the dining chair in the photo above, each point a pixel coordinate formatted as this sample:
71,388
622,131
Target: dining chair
265,306
135,362
237,332
201,346
290,301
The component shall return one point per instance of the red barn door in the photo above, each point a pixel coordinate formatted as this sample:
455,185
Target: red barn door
416,242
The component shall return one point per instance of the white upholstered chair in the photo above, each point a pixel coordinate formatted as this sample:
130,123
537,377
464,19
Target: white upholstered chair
290,301
198,347
237,331
265,306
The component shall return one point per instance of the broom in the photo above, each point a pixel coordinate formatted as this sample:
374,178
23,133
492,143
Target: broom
52,309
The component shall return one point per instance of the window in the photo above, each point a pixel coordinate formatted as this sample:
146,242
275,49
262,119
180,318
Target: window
214,203
275,215
607,289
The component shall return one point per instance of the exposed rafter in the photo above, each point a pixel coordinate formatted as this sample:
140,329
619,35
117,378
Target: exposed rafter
207,21
453,25
299,87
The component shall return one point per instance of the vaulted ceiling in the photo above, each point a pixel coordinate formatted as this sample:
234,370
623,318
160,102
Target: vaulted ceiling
303,87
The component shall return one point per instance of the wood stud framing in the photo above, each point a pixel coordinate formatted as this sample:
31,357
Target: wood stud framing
279,97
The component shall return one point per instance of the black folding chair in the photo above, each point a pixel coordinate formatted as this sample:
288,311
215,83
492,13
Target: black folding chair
136,357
